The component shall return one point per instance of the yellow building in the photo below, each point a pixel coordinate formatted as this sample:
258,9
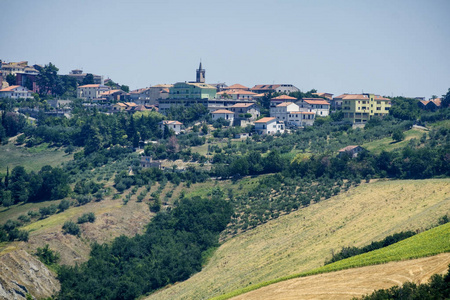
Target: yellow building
360,108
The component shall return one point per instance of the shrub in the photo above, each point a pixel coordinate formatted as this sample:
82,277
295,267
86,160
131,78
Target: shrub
70,227
88,217
63,205
47,256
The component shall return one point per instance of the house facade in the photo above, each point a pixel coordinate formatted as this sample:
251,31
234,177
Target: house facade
114,95
318,105
91,91
269,125
225,114
79,76
360,108
15,92
174,125
352,150
240,111
301,118
282,110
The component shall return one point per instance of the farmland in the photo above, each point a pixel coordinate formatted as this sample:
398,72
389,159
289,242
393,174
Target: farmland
302,240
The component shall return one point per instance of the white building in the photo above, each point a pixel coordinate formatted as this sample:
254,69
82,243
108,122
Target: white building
91,91
223,114
269,125
320,106
174,125
15,92
241,109
301,118
281,111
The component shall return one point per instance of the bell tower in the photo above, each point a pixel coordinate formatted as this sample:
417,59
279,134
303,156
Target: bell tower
200,74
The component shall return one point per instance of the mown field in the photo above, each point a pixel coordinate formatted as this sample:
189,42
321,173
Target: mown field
350,283
428,243
303,240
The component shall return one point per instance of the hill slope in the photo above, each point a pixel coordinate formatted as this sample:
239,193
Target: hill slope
303,240
350,283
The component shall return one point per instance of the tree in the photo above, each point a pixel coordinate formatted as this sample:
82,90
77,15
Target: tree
48,80
11,79
446,100
47,256
88,79
70,227
398,135
125,88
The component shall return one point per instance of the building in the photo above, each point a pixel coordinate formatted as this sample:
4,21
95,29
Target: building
318,105
200,76
148,162
225,114
360,108
301,118
114,95
432,104
327,96
243,110
352,150
280,99
274,88
236,95
187,94
15,92
158,92
57,104
79,76
269,125
91,91
174,125
282,110
336,103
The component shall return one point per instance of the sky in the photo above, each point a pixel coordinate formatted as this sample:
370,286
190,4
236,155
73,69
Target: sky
390,48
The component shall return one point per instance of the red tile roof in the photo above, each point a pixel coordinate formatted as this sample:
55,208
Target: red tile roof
222,111
10,88
265,120
89,85
284,97
348,148
317,101
170,122
267,87
242,105
236,86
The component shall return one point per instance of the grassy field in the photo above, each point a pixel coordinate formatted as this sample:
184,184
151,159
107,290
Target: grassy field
428,243
387,144
356,282
303,240
33,159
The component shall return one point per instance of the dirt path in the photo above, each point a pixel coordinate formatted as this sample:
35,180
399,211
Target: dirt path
351,283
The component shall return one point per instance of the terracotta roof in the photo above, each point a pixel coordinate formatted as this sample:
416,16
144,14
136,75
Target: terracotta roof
424,102
10,88
340,96
163,85
222,111
325,95
89,85
164,91
239,92
348,148
130,104
236,86
121,104
436,101
110,92
284,104
170,122
284,97
138,91
242,105
259,95
381,98
318,101
266,120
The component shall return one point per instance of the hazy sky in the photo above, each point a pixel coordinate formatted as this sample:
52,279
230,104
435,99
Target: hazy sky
385,47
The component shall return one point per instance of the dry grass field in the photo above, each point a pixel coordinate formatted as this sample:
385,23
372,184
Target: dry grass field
303,240
356,282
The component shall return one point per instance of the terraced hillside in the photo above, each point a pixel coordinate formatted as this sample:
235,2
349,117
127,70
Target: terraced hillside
303,240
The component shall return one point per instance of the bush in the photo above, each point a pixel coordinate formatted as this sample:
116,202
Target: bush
47,256
88,217
70,227
63,205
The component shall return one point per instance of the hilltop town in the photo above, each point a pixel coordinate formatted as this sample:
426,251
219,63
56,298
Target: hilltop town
269,108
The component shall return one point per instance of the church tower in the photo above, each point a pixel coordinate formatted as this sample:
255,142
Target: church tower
200,74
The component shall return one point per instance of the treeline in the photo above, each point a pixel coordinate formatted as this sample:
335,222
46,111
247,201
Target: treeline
11,124
170,250
437,288
19,186
95,131
347,252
